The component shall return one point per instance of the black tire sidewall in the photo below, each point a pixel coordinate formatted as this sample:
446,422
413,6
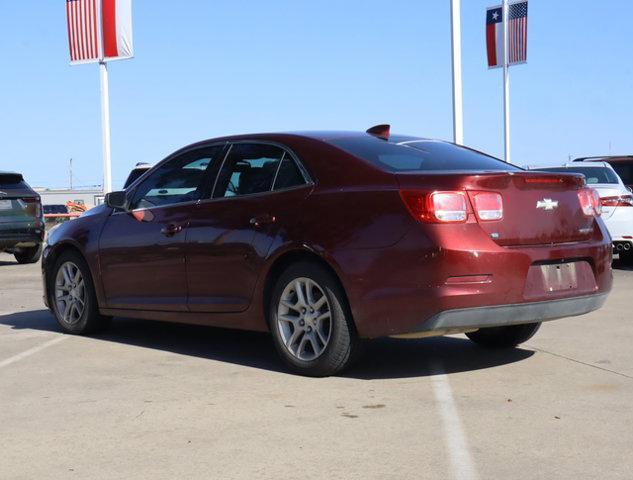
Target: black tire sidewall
28,255
504,337
337,354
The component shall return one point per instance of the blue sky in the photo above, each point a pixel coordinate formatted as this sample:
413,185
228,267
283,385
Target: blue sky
204,69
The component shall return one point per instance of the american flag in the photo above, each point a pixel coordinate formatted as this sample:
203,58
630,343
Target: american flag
83,34
517,32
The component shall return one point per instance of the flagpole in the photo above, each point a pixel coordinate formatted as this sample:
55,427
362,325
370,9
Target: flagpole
506,86
456,49
105,105
105,126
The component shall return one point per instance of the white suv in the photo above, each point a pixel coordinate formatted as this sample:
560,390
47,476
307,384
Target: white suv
616,200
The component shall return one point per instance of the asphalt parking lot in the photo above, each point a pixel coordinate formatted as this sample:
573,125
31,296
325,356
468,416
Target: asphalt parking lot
151,400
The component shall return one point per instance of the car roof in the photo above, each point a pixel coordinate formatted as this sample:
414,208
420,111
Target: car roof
572,165
319,135
3,172
606,158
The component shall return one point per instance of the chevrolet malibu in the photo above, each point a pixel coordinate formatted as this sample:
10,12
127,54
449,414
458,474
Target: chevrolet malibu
324,239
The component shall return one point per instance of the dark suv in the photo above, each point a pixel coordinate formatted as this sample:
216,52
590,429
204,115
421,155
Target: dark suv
21,220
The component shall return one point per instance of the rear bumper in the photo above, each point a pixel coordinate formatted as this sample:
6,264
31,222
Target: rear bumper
415,285
26,239
504,315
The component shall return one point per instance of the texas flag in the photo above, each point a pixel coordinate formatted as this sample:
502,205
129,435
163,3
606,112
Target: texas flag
99,30
494,36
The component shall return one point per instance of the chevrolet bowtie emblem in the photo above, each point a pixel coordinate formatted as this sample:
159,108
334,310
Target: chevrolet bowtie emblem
547,204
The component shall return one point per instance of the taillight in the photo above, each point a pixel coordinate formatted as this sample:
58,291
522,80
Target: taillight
437,207
488,206
621,201
33,206
590,202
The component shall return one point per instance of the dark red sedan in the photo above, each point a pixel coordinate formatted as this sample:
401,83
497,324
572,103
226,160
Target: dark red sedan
327,238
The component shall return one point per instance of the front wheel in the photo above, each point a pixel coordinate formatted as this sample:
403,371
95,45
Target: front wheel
311,325
72,296
504,337
28,255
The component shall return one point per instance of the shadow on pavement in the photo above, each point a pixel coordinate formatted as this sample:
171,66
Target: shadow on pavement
382,359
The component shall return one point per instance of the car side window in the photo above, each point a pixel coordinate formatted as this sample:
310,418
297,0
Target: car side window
176,181
248,169
288,175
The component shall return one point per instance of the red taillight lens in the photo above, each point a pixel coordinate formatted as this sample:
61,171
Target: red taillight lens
621,201
590,202
489,206
437,207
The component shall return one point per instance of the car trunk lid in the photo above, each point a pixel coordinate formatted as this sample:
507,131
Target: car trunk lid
538,208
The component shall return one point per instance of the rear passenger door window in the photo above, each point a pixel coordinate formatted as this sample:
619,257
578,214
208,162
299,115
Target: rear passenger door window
289,175
248,169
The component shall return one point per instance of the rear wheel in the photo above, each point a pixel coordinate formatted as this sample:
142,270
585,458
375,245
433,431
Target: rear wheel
504,337
28,255
73,297
310,321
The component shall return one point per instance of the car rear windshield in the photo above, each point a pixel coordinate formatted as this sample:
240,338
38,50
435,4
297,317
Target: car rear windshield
13,181
592,175
419,155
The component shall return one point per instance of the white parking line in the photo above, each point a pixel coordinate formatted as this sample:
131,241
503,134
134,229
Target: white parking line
462,465
31,351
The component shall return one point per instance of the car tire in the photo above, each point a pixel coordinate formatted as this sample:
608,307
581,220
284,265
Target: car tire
504,337
28,255
626,258
313,330
72,296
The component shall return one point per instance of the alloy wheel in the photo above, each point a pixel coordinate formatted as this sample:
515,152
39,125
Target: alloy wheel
70,293
304,319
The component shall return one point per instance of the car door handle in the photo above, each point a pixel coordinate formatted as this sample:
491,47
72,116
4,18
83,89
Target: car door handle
171,230
261,220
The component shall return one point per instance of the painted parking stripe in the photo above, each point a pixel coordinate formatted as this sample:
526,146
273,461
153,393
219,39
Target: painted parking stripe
462,465
31,351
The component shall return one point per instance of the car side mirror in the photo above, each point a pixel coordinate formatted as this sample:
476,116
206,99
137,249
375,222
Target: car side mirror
117,200
630,189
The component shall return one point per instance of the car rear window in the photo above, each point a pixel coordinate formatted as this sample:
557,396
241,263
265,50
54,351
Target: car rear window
592,175
9,181
419,155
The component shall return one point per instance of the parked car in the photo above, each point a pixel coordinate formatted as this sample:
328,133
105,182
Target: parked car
324,239
623,166
615,198
55,209
21,221
137,172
